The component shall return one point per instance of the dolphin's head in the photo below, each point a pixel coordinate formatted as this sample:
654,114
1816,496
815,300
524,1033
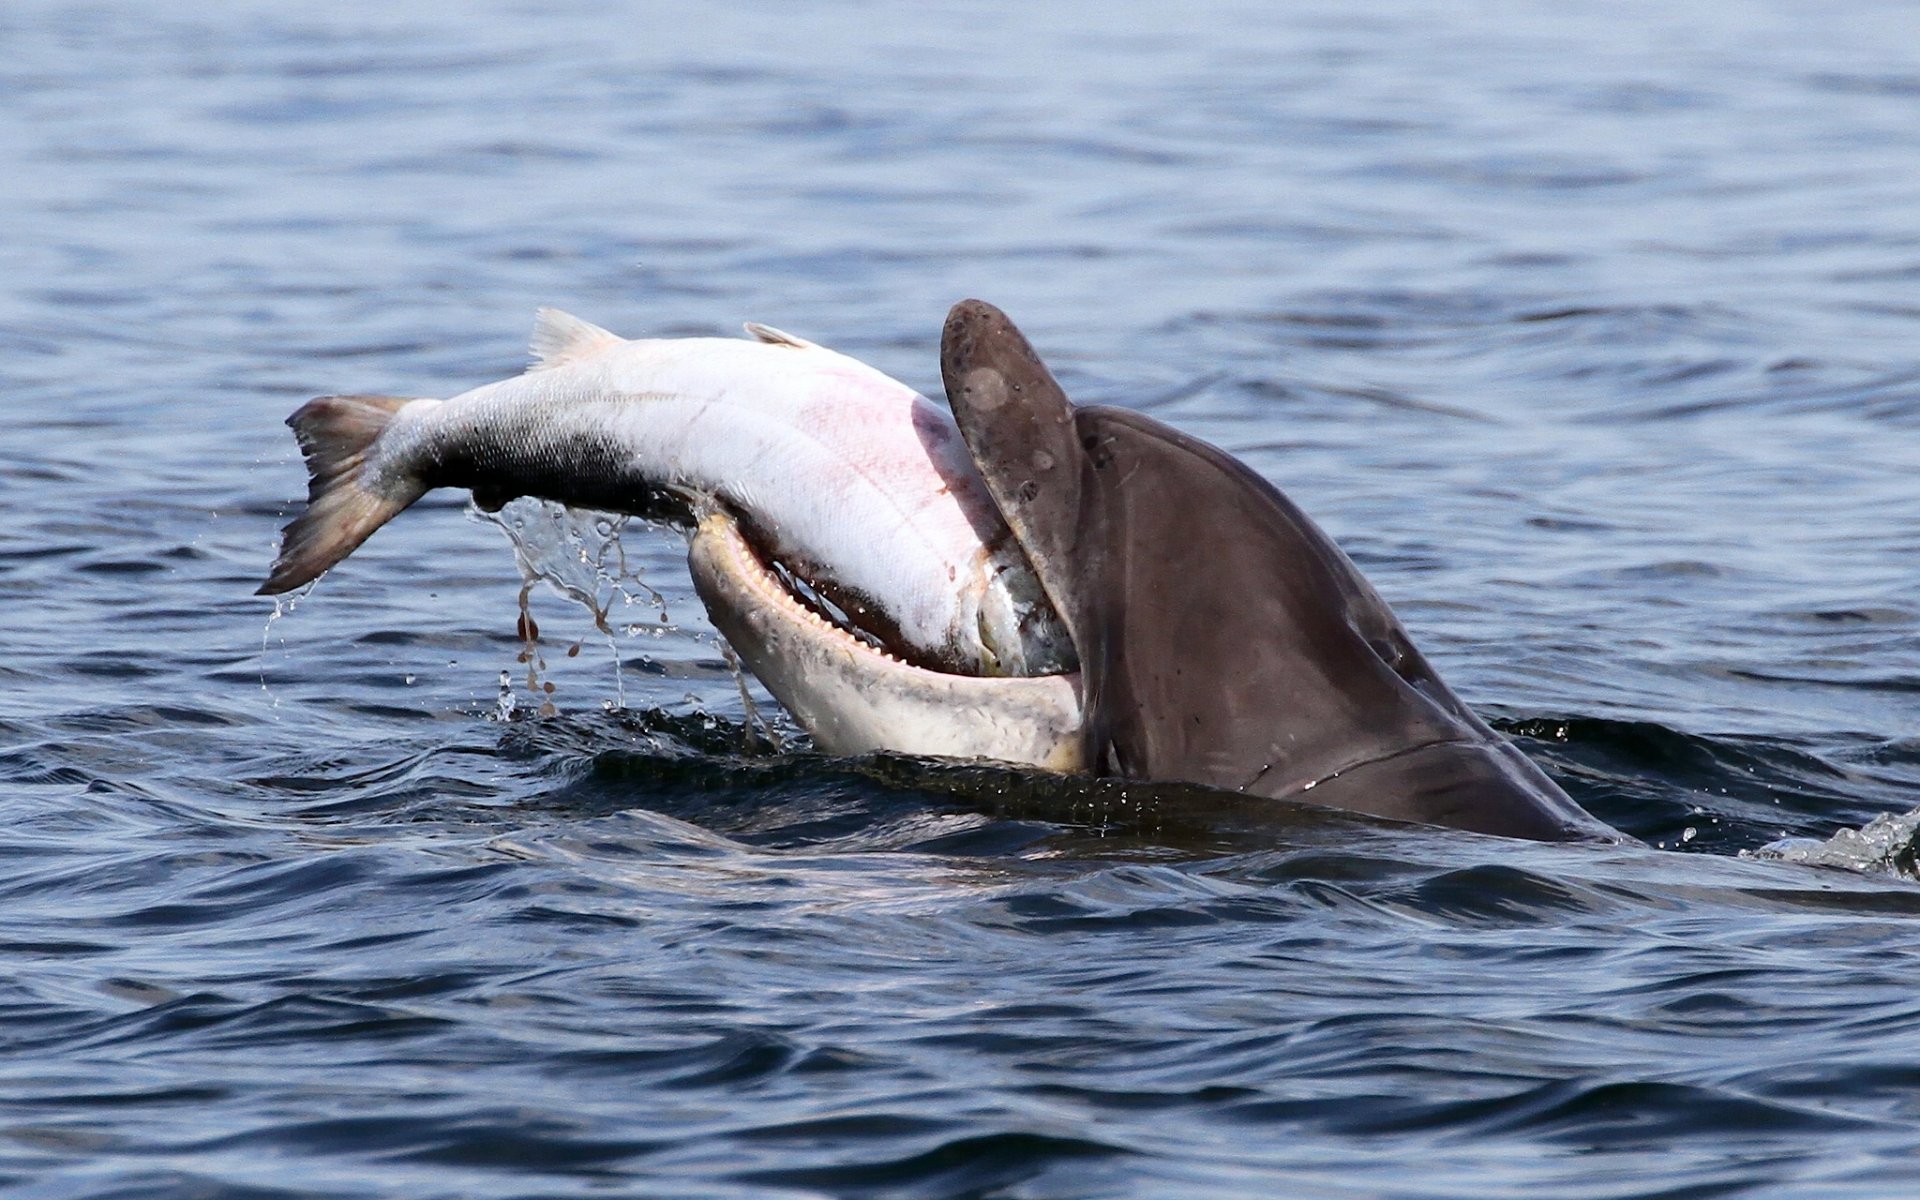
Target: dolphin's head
1223,638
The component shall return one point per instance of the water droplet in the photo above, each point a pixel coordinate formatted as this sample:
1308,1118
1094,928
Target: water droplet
504,705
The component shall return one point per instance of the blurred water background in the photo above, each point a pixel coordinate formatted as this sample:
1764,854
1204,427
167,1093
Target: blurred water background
1592,333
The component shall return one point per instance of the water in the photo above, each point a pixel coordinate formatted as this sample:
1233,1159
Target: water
1592,336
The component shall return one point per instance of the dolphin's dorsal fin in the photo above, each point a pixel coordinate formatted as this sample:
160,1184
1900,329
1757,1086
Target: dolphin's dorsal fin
560,338
774,337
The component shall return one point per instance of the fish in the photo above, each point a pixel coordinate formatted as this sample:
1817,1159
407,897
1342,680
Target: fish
854,485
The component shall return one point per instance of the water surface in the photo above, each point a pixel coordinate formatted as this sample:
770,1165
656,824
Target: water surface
1592,338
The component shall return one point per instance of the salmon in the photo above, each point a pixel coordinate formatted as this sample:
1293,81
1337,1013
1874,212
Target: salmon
852,483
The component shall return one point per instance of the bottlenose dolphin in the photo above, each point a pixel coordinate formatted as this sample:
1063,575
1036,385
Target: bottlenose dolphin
1223,638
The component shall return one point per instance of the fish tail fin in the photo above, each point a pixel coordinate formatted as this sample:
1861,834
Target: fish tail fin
336,434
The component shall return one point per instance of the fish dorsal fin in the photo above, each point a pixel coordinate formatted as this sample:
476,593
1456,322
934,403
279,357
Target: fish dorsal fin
773,337
560,338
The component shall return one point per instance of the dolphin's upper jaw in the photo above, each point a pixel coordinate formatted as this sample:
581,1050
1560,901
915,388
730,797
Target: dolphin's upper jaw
856,698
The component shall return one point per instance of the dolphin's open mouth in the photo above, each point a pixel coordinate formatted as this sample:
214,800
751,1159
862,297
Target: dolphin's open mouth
784,590
868,621
852,691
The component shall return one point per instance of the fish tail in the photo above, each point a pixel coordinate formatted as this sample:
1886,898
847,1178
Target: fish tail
344,503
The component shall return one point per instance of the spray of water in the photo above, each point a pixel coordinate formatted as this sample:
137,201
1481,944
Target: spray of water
1888,844
282,605
577,553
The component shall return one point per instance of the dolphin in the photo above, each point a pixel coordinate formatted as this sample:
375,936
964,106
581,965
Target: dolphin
1223,639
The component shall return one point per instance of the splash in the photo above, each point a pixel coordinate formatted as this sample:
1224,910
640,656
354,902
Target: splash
577,553
755,725
1888,845
282,605
505,707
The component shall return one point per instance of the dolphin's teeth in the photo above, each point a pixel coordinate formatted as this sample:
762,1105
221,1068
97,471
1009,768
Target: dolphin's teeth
750,565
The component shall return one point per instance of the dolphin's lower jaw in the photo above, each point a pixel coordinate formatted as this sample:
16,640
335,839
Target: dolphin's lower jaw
855,699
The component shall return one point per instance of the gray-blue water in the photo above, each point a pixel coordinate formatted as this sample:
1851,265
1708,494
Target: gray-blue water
1592,332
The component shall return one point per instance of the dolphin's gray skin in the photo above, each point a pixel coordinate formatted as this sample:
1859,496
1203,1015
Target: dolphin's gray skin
1223,638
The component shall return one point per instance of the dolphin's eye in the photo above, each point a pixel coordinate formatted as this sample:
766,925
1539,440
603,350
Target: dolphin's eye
1400,657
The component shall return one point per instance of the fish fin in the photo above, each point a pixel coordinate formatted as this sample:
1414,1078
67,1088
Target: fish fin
560,338
774,337
335,434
